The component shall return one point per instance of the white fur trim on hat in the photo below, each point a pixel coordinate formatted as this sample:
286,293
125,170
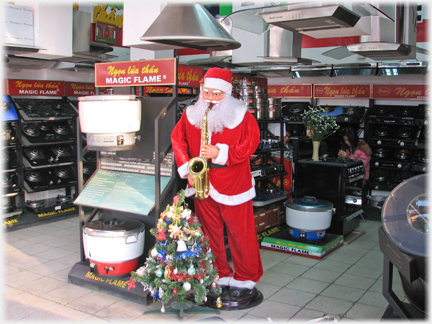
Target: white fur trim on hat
219,84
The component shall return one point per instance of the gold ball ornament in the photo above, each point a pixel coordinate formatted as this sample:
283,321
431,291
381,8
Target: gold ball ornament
167,272
218,302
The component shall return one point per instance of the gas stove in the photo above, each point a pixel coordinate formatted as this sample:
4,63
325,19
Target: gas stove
9,159
352,170
40,157
46,133
50,206
49,178
45,109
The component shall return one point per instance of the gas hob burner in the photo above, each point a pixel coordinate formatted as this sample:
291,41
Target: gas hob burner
62,173
33,176
31,130
60,129
63,199
61,151
35,154
35,203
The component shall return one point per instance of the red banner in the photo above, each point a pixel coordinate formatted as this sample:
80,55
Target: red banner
166,90
36,88
136,73
342,90
290,91
189,76
75,89
400,91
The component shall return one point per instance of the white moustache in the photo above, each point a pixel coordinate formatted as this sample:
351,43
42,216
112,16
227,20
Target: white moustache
213,101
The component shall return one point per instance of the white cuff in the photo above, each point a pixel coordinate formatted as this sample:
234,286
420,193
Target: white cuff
182,171
225,281
249,284
222,157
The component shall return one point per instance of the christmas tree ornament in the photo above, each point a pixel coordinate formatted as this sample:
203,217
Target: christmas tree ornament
205,298
153,253
167,272
191,271
174,230
175,271
159,273
175,291
213,285
187,286
181,246
219,302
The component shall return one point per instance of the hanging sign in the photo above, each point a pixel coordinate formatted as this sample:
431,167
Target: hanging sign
35,88
342,90
290,91
74,89
400,91
189,76
136,73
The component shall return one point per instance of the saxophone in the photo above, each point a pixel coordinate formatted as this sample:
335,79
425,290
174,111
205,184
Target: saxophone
198,166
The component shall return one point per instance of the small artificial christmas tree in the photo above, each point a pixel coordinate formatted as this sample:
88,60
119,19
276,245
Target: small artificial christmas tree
181,262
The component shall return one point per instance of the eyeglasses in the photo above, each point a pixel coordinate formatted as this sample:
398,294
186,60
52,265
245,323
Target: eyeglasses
215,95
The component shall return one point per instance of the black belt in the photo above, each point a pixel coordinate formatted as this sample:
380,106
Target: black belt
216,166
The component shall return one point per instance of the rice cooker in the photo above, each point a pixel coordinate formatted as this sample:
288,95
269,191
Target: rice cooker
308,218
113,246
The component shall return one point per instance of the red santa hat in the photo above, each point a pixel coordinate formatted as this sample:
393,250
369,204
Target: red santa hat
216,78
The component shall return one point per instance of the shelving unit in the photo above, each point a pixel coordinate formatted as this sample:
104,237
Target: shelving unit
396,135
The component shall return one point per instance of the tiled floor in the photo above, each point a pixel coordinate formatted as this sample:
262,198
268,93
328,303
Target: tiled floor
346,284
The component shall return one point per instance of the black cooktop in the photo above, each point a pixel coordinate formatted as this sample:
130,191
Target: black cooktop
45,109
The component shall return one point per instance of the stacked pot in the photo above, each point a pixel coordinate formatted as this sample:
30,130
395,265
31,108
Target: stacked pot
258,104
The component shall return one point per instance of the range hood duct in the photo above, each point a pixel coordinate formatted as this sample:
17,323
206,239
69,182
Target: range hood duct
389,41
83,50
312,18
189,25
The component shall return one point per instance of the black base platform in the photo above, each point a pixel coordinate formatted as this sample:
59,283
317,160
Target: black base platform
118,286
234,303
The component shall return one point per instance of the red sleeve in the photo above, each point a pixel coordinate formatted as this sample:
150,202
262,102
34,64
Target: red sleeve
250,137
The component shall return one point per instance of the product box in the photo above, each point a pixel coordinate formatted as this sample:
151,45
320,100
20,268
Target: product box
266,218
283,242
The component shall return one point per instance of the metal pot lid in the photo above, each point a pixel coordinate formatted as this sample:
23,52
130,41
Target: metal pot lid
309,203
113,227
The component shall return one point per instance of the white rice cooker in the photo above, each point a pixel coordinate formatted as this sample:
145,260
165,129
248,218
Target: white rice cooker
308,218
113,246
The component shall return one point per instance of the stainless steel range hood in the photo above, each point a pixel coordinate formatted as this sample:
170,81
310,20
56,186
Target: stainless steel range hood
312,18
189,25
390,40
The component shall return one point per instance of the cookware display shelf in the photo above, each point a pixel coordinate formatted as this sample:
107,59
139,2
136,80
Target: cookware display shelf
43,144
109,194
13,195
265,168
397,135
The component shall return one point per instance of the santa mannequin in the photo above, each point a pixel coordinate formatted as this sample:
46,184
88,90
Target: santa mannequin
233,136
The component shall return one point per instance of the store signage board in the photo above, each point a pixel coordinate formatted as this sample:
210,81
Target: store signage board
166,90
136,73
189,76
237,79
400,91
121,191
35,88
75,89
290,91
342,91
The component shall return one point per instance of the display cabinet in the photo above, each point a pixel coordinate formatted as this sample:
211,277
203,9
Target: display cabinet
397,136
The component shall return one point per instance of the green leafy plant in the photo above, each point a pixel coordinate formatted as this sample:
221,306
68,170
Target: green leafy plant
320,126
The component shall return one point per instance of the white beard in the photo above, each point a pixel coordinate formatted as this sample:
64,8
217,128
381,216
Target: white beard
227,113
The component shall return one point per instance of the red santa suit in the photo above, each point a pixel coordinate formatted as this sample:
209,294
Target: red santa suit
236,133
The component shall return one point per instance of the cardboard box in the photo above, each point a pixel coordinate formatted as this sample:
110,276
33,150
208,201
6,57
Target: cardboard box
266,218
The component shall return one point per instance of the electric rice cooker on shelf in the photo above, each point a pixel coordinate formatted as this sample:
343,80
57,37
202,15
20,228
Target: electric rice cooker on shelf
113,246
308,217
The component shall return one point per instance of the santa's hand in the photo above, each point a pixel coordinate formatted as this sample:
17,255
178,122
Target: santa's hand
209,151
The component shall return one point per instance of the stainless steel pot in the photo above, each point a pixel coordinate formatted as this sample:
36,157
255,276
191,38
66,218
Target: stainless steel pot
376,201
